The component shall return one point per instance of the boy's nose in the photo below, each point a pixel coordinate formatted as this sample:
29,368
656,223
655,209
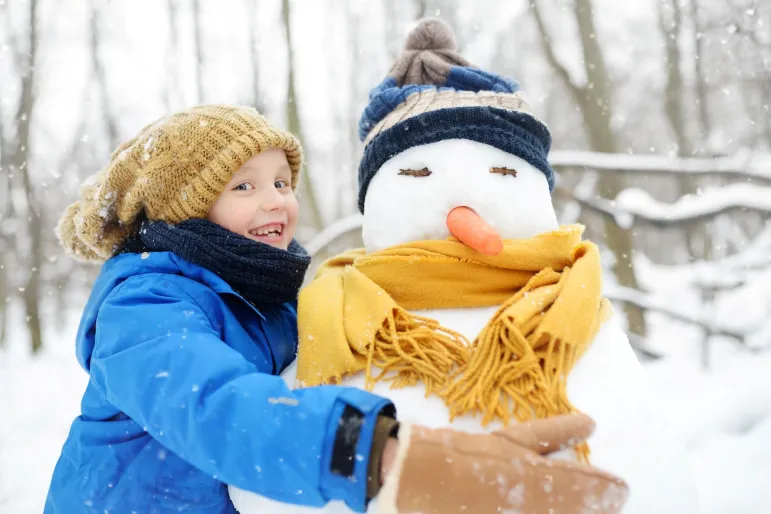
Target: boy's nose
273,201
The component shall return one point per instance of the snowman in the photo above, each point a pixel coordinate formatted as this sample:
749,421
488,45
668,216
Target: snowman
470,306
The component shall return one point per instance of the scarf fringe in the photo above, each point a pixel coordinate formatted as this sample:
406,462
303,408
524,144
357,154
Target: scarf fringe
516,383
500,377
410,349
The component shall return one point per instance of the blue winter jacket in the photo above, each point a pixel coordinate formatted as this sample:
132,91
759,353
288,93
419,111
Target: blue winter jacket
183,398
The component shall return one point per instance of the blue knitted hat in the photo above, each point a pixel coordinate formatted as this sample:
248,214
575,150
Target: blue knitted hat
432,94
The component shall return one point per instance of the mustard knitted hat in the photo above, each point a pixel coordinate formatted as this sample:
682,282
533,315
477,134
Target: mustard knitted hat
172,171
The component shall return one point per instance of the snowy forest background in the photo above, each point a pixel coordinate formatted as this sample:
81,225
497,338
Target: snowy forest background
660,112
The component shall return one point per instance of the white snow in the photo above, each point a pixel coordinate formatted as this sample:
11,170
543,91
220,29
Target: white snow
741,312
724,419
40,398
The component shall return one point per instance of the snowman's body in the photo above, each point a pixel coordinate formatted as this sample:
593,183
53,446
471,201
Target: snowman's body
608,383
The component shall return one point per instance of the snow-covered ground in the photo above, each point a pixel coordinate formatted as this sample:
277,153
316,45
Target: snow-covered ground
724,415
725,419
40,398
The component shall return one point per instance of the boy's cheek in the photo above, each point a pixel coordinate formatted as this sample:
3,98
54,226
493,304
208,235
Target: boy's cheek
229,215
293,209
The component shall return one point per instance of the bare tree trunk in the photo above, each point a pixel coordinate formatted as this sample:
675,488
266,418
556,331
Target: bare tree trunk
198,34
705,120
257,102
765,82
674,108
767,101
671,30
595,102
354,35
6,213
702,100
698,240
306,193
20,161
448,10
101,77
422,9
172,90
391,22
4,293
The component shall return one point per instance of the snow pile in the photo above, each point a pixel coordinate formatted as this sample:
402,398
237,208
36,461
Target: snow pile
40,398
724,416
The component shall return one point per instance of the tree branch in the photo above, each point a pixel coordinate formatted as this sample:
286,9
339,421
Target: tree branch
548,50
635,205
746,166
623,294
337,229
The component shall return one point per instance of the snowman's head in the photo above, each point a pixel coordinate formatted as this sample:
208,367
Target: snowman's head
450,149
411,196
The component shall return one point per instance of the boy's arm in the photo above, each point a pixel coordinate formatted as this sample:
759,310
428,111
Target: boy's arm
159,360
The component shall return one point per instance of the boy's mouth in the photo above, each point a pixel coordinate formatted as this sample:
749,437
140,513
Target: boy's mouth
270,233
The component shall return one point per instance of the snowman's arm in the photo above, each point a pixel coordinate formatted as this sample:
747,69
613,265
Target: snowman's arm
210,406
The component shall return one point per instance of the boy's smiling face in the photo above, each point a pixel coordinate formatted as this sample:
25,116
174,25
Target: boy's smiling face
259,202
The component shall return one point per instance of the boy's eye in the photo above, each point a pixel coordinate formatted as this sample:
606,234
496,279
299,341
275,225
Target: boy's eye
246,186
423,172
280,184
504,171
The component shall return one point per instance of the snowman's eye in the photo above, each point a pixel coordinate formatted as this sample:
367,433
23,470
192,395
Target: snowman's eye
504,171
423,172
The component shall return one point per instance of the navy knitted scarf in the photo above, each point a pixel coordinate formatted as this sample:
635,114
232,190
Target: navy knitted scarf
261,273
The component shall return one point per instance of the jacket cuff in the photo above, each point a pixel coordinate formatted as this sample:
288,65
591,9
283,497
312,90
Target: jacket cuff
352,428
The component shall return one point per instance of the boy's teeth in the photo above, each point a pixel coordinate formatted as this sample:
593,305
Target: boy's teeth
266,232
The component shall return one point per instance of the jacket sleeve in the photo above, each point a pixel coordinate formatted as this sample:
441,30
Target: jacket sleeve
158,358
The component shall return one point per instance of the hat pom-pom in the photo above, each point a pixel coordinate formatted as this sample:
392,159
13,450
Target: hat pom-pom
431,34
429,53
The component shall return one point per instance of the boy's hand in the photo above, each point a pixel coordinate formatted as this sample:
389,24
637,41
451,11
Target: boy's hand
446,471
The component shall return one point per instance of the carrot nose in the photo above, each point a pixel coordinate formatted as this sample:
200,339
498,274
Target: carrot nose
470,229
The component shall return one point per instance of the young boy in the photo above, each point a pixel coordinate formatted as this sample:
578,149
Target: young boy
191,319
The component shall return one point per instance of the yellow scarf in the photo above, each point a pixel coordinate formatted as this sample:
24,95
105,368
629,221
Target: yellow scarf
355,316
